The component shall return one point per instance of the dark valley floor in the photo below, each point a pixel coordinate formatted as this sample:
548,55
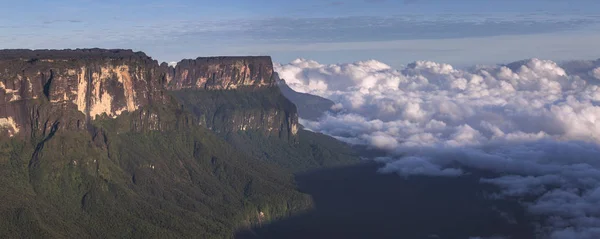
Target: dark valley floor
357,202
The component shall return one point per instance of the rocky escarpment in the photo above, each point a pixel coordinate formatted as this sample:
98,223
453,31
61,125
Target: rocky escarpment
43,91
93,145
231,94
222,73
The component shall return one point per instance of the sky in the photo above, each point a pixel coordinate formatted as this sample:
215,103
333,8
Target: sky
397,32
397,73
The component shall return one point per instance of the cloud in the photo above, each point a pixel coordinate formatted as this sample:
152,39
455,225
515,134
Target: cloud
244,32
535,124
417,166
63,21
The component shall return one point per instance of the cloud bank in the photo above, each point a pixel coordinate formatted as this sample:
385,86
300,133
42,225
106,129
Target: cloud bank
534,124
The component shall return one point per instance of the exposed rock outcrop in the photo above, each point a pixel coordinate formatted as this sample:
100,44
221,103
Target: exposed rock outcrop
74,87
46,90
222,73
205,85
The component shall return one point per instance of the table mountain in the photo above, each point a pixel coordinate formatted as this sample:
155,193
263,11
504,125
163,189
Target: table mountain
93,144
231,94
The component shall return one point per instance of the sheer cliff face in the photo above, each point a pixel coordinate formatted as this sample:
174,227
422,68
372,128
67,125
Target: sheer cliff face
222,73
66,89
232,94
43,91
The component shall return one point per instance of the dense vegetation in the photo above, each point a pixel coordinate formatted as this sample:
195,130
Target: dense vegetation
222,110
226,111
153,184
311,151
155,173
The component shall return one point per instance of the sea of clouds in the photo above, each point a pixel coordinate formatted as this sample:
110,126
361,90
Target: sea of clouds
535,123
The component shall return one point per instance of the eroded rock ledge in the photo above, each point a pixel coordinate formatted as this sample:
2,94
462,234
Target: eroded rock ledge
221,73
46,90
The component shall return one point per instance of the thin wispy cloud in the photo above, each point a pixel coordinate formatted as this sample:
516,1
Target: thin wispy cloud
322,27
322,30
62,21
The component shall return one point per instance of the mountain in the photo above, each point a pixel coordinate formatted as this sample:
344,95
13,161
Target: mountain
101,143
229,94
44,91
239,99
310,107
586,70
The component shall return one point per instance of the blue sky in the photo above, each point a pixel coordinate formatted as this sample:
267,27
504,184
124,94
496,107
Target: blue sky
397,32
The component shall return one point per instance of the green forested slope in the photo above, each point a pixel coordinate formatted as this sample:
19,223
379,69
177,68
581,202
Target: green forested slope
150,184
304,151
156,173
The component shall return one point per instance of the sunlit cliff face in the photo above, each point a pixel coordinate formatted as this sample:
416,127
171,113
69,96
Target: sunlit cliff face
92,86
246,74
90,95
90,90
108,86
222,73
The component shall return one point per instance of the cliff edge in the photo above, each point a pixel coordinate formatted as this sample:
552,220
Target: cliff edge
45,89
222,73
232,94
42,91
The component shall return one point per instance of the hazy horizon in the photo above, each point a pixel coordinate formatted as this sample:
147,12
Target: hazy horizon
461,33
443,88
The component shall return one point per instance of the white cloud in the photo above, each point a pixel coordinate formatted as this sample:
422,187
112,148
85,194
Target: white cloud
418,166
531,122
596,73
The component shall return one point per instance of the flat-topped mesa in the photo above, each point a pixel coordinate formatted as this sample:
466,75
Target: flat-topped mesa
45,90
222,73
94,82
71,54
206,85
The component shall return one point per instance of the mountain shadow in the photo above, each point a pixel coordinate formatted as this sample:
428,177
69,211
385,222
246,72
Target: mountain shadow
357,202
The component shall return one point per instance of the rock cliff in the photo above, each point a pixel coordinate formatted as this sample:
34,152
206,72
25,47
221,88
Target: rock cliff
222,73
231,94
42,91
93,144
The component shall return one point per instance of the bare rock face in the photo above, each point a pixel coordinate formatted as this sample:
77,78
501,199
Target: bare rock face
222,73
206,84
42,91
74,87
